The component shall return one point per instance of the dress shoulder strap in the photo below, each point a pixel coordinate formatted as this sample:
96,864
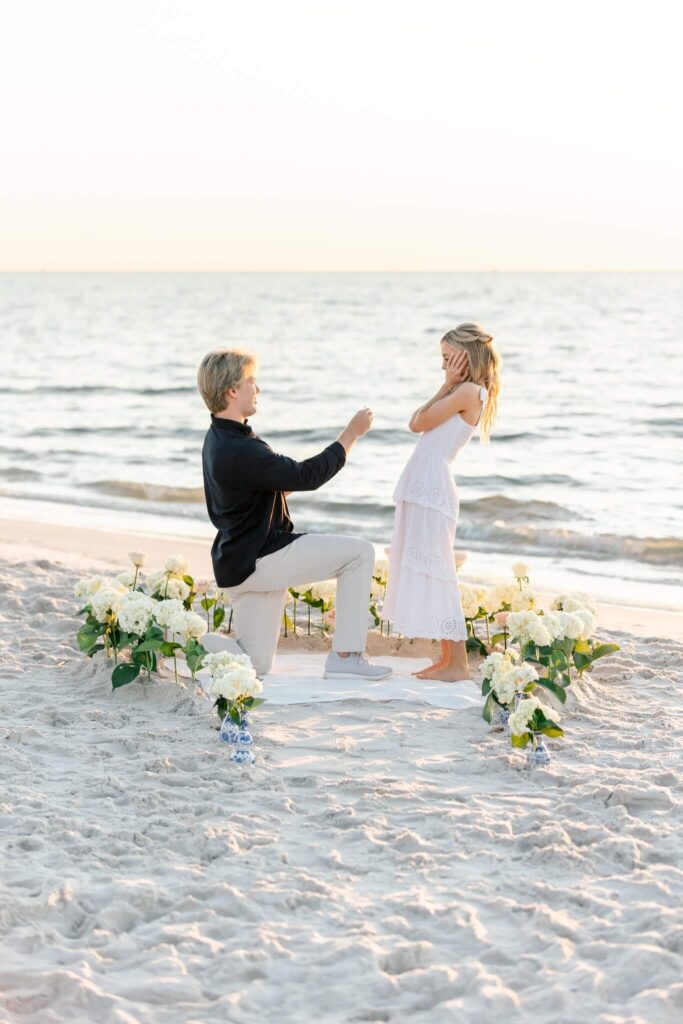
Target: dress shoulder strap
483,395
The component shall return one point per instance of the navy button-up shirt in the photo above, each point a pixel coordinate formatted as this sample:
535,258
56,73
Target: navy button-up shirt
244,480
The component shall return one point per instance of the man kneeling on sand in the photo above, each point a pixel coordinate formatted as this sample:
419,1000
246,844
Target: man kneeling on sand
257,555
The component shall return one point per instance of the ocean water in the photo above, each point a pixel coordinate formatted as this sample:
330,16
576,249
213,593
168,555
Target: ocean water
99,407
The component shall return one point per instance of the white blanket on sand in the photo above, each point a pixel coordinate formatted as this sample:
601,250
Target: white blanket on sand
297,678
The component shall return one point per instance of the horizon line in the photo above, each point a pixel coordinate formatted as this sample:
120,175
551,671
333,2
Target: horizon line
491,270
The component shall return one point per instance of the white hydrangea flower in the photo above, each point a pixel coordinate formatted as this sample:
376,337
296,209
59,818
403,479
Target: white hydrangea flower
175,588
502,595
523,600
89,585
107,599
527,625
494,663
574,602
325,591
190,625
137,558
520,570
135,612
177,564
471,601
127,577
520,718
165,612
215,663
234,682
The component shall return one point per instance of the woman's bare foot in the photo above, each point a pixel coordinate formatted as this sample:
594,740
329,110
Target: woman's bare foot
444,673
441,662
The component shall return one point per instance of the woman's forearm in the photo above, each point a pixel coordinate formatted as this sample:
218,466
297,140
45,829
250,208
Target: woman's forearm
444,390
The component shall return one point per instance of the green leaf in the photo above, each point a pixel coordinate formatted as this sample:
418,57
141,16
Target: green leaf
558,691
602,650
207,602
83,610
497,638
488,708
168,647
123,674
95,649
582,647
551,730
520,741
149,645
234,714
255,701
218,615
189,581
87,637
485,687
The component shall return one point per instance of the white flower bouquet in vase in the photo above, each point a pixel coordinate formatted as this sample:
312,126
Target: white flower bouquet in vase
529,723
234,685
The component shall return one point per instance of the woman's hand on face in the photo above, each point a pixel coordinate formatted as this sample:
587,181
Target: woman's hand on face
456,368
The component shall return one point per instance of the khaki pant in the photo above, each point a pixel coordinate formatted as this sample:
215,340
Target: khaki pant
259,601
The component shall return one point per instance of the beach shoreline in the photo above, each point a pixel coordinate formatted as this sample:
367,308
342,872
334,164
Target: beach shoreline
90,548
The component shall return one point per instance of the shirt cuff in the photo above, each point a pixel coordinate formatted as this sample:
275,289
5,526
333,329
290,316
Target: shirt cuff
339,449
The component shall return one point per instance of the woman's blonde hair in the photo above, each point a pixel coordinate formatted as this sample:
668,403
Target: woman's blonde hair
219,371
484,367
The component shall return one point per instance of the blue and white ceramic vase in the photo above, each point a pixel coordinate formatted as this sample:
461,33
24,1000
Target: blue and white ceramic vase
229,731
538,754
243,750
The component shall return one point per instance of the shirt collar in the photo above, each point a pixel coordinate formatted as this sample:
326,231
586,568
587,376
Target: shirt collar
240,428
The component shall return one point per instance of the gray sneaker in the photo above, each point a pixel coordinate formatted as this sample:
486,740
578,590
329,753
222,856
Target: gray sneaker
356,666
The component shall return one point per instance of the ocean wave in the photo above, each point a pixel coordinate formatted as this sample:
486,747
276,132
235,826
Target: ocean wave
97,389
530,540
670,426
499,507
149,492
16,473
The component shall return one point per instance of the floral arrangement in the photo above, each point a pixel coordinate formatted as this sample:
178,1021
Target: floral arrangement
234,685
540,650
136,619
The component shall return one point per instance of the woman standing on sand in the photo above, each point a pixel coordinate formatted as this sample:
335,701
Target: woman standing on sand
422,598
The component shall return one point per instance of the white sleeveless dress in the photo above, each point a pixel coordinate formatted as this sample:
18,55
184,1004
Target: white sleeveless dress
422,598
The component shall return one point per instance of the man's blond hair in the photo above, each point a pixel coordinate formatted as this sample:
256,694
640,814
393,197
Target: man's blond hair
220,370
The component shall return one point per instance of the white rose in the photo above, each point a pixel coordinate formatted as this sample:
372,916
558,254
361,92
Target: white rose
137,558
177,564
470,602
520,570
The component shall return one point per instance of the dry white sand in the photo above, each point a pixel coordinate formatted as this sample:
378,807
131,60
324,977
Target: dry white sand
380,862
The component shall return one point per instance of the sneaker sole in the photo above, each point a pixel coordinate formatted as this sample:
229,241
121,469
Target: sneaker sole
356,675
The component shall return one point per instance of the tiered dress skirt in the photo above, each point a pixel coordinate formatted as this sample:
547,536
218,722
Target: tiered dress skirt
422,598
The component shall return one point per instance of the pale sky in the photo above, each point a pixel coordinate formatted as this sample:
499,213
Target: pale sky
313,135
